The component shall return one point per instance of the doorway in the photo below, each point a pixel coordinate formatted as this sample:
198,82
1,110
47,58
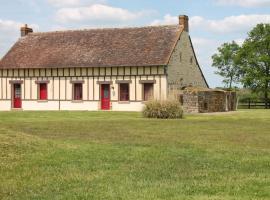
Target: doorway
17,96
105,97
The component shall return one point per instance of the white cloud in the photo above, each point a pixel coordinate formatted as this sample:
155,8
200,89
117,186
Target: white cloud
97,12
67,3
244,3
205,48
64,2
168,19
240,23
10,32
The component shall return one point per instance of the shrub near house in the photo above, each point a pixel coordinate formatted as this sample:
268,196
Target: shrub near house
169,109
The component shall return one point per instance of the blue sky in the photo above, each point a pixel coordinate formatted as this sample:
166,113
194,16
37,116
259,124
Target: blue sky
212,22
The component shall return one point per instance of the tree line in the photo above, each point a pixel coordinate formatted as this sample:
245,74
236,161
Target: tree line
247,64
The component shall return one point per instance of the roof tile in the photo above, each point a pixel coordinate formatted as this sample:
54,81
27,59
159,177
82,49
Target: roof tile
94,48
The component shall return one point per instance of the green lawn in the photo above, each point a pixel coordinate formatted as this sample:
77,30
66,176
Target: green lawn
110,155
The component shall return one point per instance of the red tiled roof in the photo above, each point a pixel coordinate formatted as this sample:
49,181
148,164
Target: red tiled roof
146,46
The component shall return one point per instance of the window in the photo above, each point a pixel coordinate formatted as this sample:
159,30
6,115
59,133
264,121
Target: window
43,94
205,105
77,91
124,92
148,92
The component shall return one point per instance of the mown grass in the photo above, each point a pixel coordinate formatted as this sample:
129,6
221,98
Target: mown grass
111,155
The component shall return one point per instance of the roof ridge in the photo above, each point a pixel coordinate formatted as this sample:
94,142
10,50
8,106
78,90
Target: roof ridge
101,29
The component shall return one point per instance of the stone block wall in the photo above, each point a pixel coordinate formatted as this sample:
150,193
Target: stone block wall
190,103
211,101
207,101
183,68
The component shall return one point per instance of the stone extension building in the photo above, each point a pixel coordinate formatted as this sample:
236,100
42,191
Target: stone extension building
98,69
205,100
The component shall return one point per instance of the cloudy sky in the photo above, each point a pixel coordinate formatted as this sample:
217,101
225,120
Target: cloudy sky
212,22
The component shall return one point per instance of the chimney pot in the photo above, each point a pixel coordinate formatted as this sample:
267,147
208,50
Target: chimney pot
183,22
25,30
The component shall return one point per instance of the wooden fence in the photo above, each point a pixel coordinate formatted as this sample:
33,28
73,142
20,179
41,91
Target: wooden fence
254,104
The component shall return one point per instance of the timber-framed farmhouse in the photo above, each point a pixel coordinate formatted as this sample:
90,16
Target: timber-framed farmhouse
99,69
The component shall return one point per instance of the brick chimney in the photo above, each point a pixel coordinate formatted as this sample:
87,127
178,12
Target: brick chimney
25,30
183,22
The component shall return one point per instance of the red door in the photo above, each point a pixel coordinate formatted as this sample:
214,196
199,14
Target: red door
105,97
17,101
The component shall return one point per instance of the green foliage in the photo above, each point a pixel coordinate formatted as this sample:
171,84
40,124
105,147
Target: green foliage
225,63
254,59
245,94
121,155
170,109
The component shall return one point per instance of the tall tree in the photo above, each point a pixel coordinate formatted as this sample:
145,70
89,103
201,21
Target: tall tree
254,59
225,63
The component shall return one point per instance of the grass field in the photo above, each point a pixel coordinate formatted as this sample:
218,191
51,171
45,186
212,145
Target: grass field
109,155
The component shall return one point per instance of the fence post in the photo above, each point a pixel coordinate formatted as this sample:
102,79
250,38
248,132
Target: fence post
249,103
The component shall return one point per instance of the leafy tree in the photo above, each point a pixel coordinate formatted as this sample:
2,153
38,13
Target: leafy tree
254,59
225,62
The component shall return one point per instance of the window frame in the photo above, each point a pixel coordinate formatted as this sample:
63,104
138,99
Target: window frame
73,91
39,91
119,92
45,82
143,91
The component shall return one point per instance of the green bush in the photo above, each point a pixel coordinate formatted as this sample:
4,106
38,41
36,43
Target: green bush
170,109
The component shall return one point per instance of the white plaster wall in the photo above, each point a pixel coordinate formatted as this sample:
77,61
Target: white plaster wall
8,88
84,105
62,86
34,90
132,89
163,88
27,85
5,85
42,106
96,89
131,106
138,90
5,105
114,92
56,88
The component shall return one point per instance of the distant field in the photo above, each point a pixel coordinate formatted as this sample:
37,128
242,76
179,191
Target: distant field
115,155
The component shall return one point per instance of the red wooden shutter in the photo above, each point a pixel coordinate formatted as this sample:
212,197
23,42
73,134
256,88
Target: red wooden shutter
43,91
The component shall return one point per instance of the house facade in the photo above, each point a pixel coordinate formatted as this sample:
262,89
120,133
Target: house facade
98,69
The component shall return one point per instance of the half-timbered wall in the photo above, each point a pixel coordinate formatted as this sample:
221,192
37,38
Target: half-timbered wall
60,87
